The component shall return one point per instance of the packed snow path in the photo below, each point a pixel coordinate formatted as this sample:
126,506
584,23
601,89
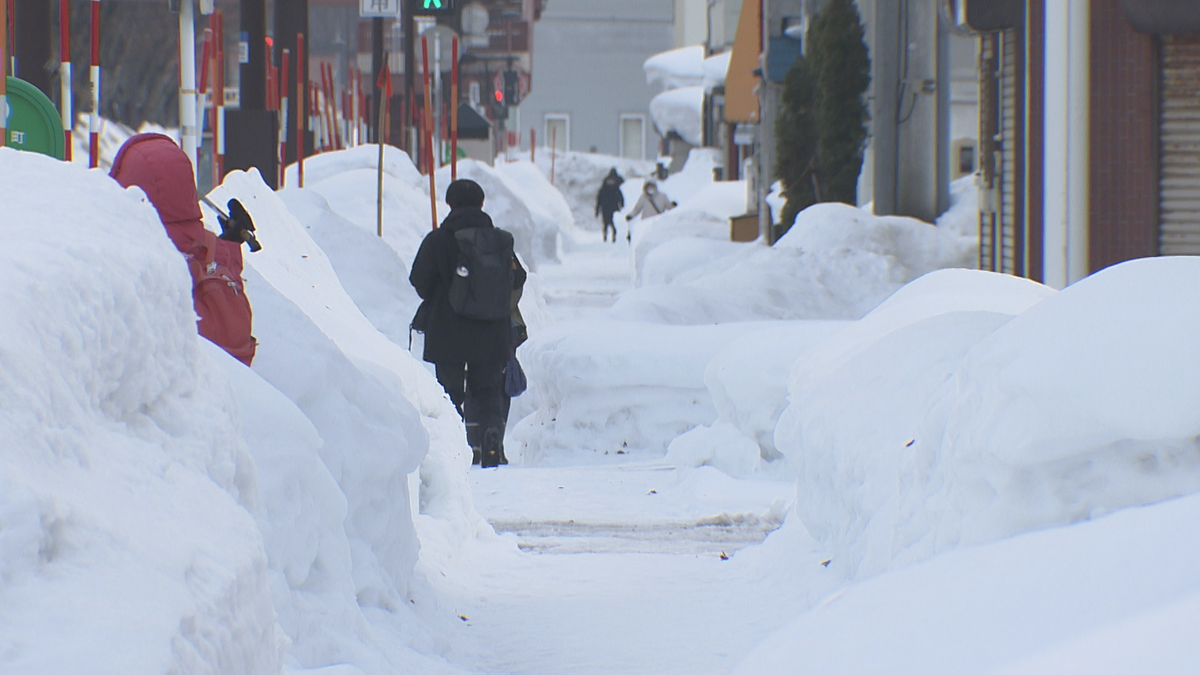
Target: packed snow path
616,568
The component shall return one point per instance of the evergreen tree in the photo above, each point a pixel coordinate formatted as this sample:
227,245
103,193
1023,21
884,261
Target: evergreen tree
843,75
822,128
796,140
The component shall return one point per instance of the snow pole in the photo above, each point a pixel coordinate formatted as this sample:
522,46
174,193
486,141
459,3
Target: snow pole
532,145
384,87
553,150
94,124
283,115
219,98
300,109
4,72
454,109
429,130
188,134
335,135
64,75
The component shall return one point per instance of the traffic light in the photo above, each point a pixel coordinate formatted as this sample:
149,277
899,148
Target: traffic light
433,7
512,88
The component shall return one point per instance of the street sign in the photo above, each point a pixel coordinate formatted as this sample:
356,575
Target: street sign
386,9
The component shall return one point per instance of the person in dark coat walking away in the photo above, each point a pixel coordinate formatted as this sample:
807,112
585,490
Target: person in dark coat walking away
468,354
610,200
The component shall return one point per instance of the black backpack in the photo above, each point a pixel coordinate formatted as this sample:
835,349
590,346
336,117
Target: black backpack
482,284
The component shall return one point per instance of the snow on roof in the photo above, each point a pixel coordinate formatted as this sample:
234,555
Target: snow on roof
679,110
714,68
676,68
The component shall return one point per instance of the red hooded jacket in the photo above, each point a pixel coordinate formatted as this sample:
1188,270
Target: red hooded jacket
163,171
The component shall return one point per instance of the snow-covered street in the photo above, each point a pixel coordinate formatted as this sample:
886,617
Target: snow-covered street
844,453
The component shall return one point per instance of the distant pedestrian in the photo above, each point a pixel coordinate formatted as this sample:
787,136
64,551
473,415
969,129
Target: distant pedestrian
650,204
609,201
466,272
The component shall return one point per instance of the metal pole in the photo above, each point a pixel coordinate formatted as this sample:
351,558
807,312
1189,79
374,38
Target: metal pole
187,80
429,131
532,145
94,125
553,150
64,76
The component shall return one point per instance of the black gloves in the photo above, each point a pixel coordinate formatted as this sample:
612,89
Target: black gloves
238,227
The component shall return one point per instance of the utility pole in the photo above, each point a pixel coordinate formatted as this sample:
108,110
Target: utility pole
291,18
253,60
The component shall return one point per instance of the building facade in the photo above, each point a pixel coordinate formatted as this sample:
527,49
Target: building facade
590,92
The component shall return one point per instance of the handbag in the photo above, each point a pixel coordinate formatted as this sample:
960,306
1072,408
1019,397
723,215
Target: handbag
514,378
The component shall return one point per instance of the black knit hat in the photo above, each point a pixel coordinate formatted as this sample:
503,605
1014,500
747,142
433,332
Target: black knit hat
464,192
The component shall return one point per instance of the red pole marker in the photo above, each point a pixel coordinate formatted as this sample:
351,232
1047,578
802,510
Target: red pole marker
64,75
94,124
429,131
300,109
283,115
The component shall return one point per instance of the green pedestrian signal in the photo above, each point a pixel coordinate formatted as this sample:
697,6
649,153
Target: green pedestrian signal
432,7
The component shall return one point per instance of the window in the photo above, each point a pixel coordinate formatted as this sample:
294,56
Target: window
558,131
633,136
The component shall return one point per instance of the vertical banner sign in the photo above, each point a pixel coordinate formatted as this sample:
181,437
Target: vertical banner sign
64,75
94,124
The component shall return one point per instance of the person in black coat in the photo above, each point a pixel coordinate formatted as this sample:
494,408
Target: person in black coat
610,200
469,355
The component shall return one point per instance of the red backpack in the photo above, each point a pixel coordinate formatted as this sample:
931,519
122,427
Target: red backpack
220,297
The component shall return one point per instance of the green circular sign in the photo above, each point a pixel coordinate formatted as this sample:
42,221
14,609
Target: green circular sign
33,124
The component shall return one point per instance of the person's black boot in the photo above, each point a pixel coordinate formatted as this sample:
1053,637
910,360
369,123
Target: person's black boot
492,452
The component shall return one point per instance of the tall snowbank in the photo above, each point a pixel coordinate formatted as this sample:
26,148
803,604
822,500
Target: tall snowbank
126,543
609,387
970,421
837,262
377,411
1116,595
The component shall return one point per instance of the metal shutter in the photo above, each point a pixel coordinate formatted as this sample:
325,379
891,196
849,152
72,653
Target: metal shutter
1179,138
